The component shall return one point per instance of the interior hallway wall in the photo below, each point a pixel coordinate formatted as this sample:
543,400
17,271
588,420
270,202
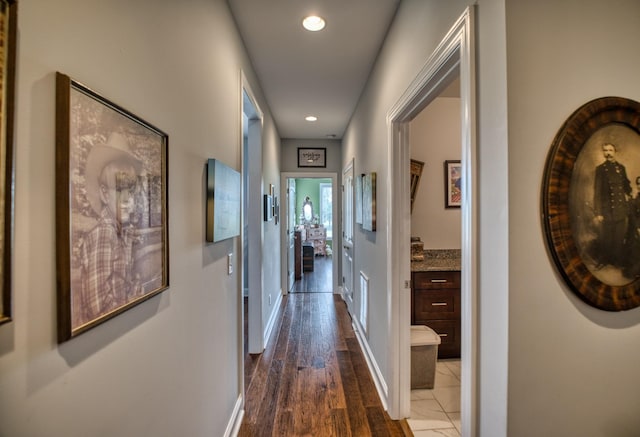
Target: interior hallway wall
169,366
569,363
435,138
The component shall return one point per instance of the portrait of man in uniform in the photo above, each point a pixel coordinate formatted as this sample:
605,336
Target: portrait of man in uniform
601,199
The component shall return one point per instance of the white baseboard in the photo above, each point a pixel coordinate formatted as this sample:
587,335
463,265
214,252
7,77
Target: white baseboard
233,427
378,379
272,319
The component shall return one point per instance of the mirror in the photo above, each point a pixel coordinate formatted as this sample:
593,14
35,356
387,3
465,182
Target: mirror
307,210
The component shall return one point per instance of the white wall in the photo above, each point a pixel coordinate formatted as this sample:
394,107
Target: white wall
169,366
418,27
569,363
435,138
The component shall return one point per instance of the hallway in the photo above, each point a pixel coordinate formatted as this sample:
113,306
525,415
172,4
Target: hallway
312,378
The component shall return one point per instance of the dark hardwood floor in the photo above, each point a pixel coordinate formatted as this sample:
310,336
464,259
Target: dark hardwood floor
312,378
320,280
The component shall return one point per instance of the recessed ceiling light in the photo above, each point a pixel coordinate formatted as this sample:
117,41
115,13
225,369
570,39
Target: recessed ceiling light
313,23
311,118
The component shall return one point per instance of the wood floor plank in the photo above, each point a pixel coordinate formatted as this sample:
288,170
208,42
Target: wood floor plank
355,409
312,379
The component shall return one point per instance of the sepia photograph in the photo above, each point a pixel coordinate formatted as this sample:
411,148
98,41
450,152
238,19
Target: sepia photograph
111,211
591,202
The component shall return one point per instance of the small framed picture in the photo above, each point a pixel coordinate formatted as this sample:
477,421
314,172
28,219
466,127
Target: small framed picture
452,184
316,157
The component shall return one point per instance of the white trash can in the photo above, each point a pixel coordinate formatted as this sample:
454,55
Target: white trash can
424,354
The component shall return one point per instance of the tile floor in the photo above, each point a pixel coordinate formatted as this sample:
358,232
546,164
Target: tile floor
437,412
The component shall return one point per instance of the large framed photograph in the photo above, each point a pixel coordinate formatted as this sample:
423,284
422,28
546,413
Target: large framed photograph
223,201
111,209
452,184
8,26
591,203
316,157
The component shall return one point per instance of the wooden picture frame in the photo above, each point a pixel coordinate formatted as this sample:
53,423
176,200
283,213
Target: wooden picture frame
312,157
111,209
8,35
369,202
223,201
452,184
591,203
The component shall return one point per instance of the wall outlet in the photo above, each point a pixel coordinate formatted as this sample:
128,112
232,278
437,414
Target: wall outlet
230,263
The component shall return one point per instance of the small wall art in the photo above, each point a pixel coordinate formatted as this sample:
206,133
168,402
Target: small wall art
111,209
312,157
223,201
452,184
369,202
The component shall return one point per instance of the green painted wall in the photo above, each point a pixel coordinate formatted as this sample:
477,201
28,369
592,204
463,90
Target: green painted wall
308,187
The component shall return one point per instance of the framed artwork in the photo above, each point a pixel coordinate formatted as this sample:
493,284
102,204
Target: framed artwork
591,203
369,202
452,184
268,207
8,26
316,157
276,209
111,209
359,198
223,201
416,173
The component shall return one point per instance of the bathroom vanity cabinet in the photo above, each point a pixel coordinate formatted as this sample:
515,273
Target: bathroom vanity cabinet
435,302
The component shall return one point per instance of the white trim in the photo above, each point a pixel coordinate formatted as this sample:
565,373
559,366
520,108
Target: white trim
273,319
454,53
284,209
235,421
372,364
254,214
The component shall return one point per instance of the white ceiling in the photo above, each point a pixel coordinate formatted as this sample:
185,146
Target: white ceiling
312,73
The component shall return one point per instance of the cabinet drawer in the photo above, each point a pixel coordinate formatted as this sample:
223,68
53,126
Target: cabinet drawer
449,332
436,279
436,304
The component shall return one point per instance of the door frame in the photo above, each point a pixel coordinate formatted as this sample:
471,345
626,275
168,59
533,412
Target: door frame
253,172
454,55
335,246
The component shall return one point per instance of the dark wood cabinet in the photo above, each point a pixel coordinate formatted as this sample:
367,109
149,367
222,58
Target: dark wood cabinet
307,257
435,302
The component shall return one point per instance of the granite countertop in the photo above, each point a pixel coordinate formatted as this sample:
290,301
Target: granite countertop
438,260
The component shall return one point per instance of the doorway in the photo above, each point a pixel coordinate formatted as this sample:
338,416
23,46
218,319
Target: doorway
312,266
453,57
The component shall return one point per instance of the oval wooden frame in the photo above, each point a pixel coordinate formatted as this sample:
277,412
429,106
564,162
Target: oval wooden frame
565,149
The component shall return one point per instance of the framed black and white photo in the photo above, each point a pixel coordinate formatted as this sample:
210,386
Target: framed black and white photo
316,157
111,209
591,203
